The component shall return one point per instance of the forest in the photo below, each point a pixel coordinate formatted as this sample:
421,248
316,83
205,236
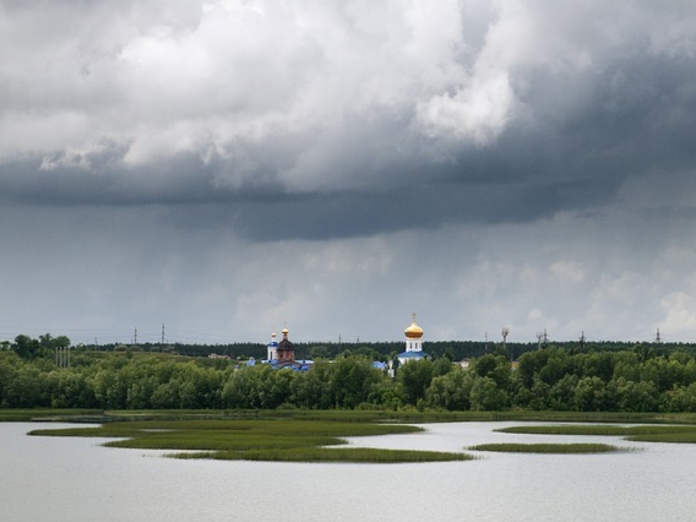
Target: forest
613,378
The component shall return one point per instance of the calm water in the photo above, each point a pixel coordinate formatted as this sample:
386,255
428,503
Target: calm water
74,479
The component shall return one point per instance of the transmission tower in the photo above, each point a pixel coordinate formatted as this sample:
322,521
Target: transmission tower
504,332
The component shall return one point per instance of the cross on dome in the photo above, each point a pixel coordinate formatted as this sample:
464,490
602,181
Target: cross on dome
414,331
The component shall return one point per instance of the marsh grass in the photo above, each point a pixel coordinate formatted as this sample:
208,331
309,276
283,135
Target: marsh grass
361,416
273,440
314,454
641,433
28,415
549,448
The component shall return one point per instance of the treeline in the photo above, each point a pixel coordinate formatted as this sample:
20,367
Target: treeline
554,378
455,350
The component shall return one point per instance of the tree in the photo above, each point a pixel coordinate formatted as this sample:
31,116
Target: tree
599,364
26,347
442,365
590,394
352,380
414,378
485,395
562,393
636,397
320,352
450,391
312,389
530,364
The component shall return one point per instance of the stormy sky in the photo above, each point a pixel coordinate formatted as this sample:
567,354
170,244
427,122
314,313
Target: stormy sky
223,166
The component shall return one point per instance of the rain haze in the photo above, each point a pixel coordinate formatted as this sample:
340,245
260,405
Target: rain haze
221,167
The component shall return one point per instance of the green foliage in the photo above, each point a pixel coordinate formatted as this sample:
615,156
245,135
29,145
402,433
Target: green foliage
487,396
451,391
611,378
26,347
414,378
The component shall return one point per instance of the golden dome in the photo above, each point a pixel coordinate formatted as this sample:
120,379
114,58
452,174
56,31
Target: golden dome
414,331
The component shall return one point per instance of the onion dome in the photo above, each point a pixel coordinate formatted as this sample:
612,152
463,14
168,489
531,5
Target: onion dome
414,331
274,342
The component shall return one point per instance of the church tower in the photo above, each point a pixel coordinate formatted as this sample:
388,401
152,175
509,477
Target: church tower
413,334
285,350
414,343
273,347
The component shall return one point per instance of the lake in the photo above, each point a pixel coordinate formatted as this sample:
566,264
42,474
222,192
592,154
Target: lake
75,479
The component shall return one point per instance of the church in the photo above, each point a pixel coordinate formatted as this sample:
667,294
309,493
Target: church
281,354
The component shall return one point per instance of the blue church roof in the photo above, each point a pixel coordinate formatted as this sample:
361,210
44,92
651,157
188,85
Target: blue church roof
413,355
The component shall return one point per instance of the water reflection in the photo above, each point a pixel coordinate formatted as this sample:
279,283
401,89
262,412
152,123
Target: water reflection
75,479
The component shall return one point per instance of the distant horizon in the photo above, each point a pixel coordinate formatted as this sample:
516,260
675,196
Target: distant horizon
145,338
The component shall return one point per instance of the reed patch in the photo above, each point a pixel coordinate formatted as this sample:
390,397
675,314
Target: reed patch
269,440
641,433
548,448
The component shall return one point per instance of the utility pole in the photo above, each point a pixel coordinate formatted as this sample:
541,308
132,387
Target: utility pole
162,339
658,339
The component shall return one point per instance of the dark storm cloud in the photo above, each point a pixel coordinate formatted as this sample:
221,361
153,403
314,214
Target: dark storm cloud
491,133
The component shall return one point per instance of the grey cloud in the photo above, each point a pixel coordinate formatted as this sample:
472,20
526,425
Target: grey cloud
303,155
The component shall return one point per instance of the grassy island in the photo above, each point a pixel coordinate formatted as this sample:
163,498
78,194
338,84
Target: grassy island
547,448
290,440
641,433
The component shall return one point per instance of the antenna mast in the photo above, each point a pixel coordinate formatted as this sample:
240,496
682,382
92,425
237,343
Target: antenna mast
505,331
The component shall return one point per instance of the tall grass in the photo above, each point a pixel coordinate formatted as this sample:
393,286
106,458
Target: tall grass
548,448
360,416
314,454
28,415
641,433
